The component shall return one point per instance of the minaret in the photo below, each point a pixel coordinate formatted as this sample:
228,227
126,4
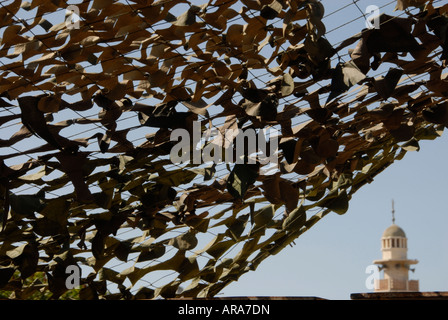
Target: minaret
395,263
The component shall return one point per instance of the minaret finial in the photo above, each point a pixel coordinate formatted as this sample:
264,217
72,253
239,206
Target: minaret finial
393,212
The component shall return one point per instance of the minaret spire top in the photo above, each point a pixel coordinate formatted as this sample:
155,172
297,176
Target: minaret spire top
393,212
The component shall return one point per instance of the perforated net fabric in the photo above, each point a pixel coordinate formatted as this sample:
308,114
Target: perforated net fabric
89,104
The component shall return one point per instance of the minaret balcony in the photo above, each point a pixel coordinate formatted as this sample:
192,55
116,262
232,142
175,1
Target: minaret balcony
388,285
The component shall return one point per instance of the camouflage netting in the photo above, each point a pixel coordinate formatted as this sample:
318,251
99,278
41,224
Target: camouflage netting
88,106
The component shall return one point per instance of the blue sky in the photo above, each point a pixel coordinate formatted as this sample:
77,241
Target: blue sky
330,259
